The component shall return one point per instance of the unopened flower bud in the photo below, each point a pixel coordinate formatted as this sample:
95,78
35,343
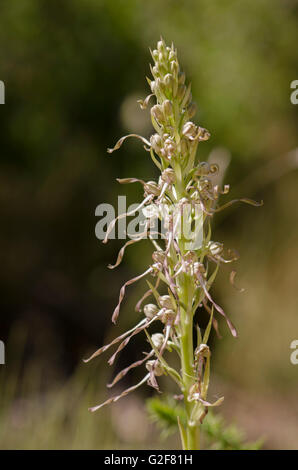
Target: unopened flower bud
153,86
156,142
168,176
157,113
151,188
169,80
215,248
154,366
189,130
162,87
199,268
160,57
165,301
181,92
170,147
168,316
161,46
164,154
188,126
155,71
150,310
158,82
157,339
158,86
191,110
167,108
155,54
202,350
174,68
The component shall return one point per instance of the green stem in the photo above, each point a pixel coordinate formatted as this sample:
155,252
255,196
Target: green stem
192,432
193,438
186,332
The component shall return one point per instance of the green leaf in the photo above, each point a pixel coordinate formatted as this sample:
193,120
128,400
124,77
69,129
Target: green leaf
183,435
208,329
165,413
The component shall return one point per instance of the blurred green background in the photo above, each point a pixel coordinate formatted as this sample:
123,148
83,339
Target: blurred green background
73,70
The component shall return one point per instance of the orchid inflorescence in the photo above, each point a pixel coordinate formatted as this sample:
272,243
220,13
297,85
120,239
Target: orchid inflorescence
183,264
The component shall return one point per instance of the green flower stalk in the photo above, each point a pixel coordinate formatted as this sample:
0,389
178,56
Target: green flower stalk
186,260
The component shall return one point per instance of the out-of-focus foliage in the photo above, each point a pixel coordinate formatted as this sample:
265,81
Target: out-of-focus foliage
73,71
215,431
242,57
36,416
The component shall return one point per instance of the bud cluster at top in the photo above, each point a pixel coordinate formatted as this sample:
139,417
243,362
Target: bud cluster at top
176,135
